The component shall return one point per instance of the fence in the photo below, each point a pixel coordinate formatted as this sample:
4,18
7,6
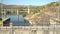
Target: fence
52,29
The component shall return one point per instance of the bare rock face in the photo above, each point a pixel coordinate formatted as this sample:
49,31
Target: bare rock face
39,19
43,17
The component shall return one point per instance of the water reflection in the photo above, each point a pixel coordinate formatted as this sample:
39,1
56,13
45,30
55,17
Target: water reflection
17,20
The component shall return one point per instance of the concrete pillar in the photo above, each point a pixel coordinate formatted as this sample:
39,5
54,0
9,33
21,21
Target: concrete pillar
4,13
58,31
11,11
50,32
12,30
28,10
34,32
17,12
39,31
46,32
11,24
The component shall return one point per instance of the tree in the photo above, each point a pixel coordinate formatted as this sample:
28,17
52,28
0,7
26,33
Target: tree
8,12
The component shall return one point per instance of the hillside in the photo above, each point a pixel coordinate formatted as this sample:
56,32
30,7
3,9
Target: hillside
16,6
22,8
46,12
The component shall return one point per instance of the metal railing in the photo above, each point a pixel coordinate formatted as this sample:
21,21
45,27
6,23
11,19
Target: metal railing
52,29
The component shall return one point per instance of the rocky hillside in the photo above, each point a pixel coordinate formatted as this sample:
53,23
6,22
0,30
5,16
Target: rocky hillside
43,17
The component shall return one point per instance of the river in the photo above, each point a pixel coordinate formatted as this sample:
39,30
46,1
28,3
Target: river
17,20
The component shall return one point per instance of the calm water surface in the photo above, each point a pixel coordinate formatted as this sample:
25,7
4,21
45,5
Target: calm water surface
17,20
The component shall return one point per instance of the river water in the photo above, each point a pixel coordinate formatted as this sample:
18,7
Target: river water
17,20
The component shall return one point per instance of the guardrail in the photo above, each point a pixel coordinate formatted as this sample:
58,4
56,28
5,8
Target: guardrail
55,29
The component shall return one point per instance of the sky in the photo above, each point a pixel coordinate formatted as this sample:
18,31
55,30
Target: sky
27,2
